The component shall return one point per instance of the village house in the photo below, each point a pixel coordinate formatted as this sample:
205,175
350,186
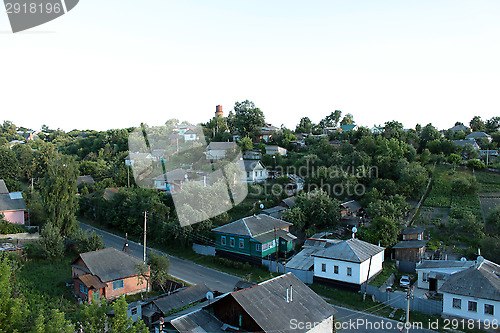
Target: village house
344,128
281,304
219,150
473,293
412,234
348,263
253,171
267,132
12,205
276,211
106,274
132,158
479,135
190,135
253,238
433,273
463,143
273,149
171,182
408,253
460,127
288,202
252,155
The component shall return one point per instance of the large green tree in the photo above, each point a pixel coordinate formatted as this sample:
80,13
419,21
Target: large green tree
59,193
248,119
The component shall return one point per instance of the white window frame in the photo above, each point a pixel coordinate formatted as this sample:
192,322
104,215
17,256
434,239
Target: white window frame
469,306
323,267
490,306
425,276
456,303
335,269
349,271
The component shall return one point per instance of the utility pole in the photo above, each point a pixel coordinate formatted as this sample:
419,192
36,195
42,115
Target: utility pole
128,177
277,244
145,220
409,296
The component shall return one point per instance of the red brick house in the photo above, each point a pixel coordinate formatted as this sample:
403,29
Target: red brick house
106,274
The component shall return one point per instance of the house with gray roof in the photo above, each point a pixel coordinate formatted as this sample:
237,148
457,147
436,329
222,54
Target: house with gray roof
253,171
106,274
479,135
432,274
253,238
463,143
460,127
219,150
348,263
473,293
12,205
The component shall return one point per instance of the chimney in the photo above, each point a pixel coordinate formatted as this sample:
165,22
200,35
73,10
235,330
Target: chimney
291,293
218,111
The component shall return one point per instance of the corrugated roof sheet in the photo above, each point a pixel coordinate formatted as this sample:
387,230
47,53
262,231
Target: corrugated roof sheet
482,282
9,204
253,225
199,321
221,145
353,250
290,202
110,264
352,205
412,231
182,298
266,303
410,244
91,281
3,187
428,264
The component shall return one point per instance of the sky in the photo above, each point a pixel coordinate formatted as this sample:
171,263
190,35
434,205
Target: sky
117,63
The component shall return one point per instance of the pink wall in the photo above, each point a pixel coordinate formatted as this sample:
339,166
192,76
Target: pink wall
16,217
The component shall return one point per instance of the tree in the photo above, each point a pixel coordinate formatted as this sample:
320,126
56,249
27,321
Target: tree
296,216
121,323
52,243
385,230
332,119
477,124
428,134
492,125
248,119
454,159
12,310
319,209
246,144
59,193
305,125
159,266
347,120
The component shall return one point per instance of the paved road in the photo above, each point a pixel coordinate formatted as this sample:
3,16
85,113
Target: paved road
362,322
182,269
353,321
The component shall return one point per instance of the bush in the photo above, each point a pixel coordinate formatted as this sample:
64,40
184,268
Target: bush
476,164
52,242
7,227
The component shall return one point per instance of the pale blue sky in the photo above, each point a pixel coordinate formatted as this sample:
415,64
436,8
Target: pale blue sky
112,64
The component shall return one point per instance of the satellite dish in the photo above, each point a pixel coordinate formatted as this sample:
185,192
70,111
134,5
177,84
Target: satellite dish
463,259
354,229
209,295
261,206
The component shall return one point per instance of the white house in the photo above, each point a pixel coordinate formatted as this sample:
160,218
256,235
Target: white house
350,262
190,135
132,158
473,293
218,150
172,181
253,171
273,149
432,274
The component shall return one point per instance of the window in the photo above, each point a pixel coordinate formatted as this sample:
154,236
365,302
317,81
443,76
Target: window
489,309
323,267
84,289
95,294
223,240
425,276
134,311
349,271
117,284
472,306
457,303
336,269
248,174
258,247
242,243
231,241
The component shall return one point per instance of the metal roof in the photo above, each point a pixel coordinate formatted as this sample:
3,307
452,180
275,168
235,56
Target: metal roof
412,231
480,281
253,225
352,205
290,202
110,264
267,304
478,135
429,264
9,204
302,260
220,145
353,250
410,244
3,187
199,321
181,298
85,179
91,281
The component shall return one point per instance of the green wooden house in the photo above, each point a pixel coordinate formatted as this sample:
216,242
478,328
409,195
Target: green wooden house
253,238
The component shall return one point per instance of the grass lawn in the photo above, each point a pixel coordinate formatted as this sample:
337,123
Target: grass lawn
490,182
42,283
389,268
